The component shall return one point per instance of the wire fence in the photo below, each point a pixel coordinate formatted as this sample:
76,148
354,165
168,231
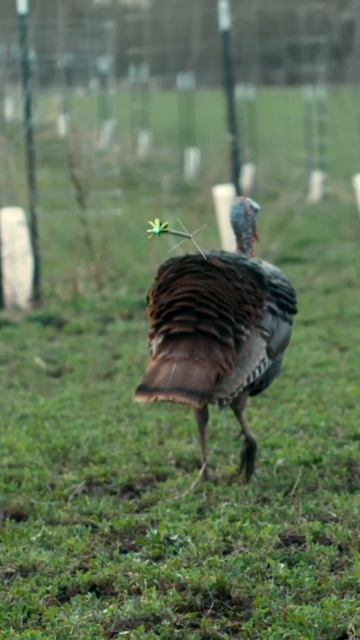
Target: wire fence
147,122
83,101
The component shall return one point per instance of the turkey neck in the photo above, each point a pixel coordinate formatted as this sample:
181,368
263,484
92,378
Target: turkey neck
245,241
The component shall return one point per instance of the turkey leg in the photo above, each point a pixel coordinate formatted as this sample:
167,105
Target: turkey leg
248,453
202,417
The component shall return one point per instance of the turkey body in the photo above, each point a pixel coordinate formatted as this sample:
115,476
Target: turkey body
219,327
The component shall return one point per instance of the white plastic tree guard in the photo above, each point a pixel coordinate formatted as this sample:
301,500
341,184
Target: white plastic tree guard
356,185
143,143
192,163
62,125
9,109
22,7
106,134
247,177
245,91
317,184
16,258
224,195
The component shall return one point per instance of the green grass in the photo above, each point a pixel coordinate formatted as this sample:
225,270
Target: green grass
105,531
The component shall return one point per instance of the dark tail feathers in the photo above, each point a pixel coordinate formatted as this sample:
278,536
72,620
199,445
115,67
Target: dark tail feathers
185,371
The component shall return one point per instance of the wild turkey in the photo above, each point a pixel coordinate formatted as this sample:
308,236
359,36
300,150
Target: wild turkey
219,326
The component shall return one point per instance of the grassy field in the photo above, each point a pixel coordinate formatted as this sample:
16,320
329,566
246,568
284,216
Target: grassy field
105,531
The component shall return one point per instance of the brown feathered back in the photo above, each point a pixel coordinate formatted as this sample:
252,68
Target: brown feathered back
200,312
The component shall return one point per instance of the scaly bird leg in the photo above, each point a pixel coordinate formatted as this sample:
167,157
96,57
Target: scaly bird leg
248,454
202,417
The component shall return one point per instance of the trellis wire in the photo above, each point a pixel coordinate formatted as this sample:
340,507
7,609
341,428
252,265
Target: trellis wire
139,81
189,151
314,72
